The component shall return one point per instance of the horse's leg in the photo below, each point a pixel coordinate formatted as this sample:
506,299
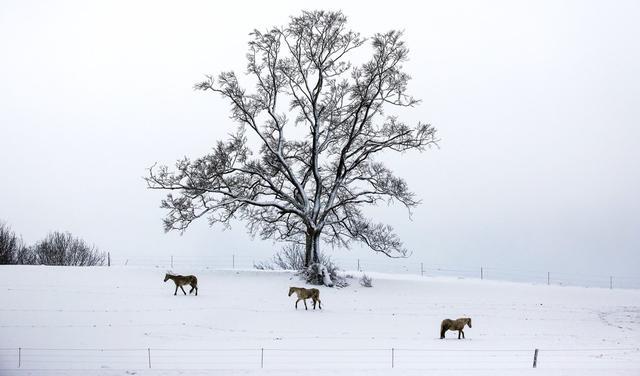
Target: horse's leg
305,304
196,287
183,290
314,303
192,288
462,331
297,303
319,303
175,292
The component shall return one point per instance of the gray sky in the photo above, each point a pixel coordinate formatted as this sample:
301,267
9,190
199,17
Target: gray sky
537,104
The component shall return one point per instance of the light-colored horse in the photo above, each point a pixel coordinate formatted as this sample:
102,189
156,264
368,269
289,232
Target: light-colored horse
304,294
182,280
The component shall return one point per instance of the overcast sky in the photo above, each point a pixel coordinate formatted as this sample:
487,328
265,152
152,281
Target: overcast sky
537,104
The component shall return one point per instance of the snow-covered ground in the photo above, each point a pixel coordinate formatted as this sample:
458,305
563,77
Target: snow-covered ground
115,321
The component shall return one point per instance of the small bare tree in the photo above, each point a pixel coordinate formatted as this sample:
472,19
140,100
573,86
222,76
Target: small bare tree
10,245
291,257
366,281
26,256
319,123
64,249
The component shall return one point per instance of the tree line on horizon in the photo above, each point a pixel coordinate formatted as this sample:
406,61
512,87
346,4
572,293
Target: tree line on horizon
57,248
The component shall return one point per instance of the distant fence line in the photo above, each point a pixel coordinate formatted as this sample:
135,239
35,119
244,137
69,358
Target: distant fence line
402,266
282,358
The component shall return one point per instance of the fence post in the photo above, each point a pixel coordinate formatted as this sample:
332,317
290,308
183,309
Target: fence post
393,357
422,269
108,258
262,357
611,282
149,356
19,357
535,358
481,273
548,278
359,265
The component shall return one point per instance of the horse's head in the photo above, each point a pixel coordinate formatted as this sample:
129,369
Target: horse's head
291,290
469,322
166,277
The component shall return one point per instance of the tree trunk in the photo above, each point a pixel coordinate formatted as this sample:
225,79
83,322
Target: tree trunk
316,247
312,247
308,254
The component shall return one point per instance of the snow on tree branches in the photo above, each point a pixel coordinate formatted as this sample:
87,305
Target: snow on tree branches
319,123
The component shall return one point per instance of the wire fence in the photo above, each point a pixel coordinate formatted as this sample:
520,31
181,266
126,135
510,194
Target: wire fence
401,266
283,358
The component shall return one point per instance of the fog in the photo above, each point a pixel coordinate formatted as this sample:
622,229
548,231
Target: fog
537,105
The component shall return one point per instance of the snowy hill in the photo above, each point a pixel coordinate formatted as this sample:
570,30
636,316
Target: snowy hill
121,320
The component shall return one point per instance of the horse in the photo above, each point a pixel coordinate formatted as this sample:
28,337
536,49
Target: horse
458,325
181,280
304,294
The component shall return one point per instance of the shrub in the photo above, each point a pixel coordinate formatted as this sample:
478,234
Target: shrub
64,249
291,257
316,274
10,245
366,281
26,256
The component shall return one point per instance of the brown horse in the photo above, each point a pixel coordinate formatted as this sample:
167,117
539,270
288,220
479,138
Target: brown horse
181,280
454,325
304,294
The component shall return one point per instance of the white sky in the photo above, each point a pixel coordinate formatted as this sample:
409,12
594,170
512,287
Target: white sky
537,104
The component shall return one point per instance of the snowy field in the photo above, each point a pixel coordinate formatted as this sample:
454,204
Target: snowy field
121,320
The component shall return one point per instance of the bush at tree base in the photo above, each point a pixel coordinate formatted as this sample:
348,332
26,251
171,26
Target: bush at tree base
291,257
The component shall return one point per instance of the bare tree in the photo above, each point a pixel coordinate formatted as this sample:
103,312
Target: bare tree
64,249
26,256
319,123
10,245
292,257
